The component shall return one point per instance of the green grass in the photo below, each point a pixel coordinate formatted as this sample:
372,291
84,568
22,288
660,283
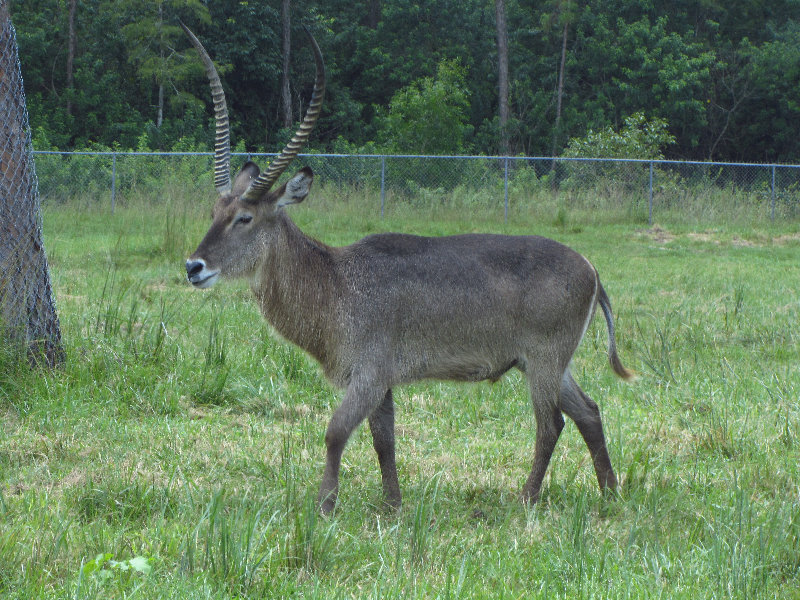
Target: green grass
177,454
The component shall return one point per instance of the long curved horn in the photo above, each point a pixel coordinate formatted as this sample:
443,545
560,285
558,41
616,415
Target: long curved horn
266,179
222,140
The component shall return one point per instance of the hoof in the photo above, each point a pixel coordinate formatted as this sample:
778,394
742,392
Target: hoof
393,504
327,503
529,498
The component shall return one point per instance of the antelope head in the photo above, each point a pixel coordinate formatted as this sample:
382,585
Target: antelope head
246,211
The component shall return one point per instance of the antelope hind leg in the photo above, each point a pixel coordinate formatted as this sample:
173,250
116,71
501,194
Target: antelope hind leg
381,424
579,407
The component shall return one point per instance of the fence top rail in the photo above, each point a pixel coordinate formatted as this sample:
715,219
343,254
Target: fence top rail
427,156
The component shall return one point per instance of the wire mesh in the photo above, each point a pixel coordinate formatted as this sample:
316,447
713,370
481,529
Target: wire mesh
27,307
640,189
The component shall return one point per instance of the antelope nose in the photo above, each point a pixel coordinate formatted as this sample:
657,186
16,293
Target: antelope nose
194,267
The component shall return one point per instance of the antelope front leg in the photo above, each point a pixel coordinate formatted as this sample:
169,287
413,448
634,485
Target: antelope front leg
360,400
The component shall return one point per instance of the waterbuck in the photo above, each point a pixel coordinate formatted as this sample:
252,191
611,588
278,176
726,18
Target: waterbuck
394,308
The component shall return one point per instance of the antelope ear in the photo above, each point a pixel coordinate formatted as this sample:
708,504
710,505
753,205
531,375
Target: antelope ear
249,172
296,189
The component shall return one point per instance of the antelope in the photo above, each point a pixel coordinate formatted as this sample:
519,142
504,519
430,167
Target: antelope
394,308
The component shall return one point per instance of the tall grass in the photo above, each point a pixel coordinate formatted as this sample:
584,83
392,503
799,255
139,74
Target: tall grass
178,451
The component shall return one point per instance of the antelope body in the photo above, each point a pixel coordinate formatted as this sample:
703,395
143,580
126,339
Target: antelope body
394,308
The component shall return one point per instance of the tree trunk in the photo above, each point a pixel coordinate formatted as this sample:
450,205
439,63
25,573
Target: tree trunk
71,42
27,310
286,96
502,72
373,14
160,113
559,98
160,116
560,93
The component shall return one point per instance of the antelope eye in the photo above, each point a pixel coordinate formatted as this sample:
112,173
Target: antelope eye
243,219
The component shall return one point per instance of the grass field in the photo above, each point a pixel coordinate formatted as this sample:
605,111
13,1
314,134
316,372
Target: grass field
177,454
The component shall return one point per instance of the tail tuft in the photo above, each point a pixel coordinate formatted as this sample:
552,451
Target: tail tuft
620,370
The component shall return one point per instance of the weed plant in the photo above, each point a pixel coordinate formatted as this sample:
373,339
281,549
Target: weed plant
177,452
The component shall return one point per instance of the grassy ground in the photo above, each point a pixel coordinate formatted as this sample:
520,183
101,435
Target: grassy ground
177,453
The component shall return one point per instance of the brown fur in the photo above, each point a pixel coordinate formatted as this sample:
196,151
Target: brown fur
393,308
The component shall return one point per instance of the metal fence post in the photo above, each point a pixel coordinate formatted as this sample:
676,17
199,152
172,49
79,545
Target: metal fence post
772,194
505,190
113,181
383,183
650,198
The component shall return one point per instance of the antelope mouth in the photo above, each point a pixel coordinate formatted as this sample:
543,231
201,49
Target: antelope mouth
199,275
204,280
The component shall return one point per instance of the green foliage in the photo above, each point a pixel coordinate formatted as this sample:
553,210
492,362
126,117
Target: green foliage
640,65
429,115
104,576
767,92
151,38
723,75
103,567
639,137
557,14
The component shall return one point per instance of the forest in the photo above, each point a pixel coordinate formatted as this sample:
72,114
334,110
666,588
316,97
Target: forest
713,80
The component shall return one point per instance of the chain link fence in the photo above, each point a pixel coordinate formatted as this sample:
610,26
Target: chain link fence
27,308
642,189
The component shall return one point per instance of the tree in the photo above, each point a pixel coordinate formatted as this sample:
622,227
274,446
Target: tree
373,14
151,39
731,87
429,116
756,92
502,72
564,12
626,67
639,138
720,73
27,308
71,43
286,47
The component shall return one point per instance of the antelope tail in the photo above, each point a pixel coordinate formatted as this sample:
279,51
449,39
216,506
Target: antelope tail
613,357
